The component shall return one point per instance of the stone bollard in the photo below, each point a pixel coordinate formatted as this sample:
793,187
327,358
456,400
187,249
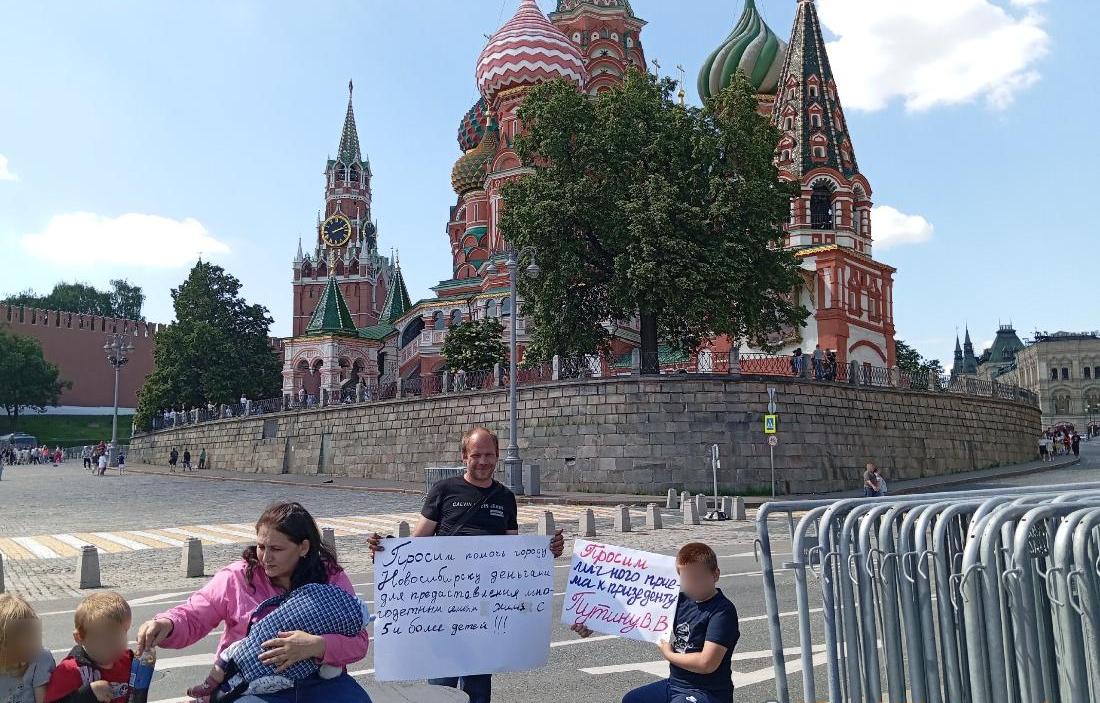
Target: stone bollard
701,504
622,519
403,529
546,523
87,567
684,498
1,573
588,524
739,509
192,558
691,513
653,516
671,502
328,536
727,506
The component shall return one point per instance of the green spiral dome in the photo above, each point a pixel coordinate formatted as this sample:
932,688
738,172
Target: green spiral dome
752,48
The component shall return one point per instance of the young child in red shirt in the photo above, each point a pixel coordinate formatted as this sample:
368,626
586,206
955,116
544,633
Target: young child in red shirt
97,669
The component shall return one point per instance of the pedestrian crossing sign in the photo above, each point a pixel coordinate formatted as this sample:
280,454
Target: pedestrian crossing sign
770,423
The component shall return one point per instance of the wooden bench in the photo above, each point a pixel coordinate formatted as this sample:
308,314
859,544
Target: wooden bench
413,693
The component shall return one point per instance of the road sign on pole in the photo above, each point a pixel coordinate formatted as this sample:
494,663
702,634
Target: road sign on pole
771,423
773,440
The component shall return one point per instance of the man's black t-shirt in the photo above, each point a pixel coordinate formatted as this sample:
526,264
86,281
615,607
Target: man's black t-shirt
715,621
449,500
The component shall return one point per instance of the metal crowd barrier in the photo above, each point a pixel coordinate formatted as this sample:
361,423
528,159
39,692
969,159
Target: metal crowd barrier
985,596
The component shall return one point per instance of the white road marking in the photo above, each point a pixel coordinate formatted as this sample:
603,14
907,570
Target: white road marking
191,533
119,539
159,538
232,531
39,550
71,540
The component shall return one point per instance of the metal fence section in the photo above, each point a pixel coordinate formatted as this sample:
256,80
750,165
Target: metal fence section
986,596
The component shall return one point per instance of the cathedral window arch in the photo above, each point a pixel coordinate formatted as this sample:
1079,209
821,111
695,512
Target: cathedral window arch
1061,402
505,307
437,320
815,120
456,317
788,122
490,308
785,155
819,152
821,205
412,331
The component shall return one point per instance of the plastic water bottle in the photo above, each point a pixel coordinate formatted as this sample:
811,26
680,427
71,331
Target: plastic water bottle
141,676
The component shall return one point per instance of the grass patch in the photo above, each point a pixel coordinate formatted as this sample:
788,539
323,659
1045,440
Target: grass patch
68,430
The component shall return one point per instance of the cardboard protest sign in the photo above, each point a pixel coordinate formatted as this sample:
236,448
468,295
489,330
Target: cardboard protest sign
455,606
620,591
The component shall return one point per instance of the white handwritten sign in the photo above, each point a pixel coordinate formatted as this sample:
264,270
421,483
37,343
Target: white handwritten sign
620,591
456,606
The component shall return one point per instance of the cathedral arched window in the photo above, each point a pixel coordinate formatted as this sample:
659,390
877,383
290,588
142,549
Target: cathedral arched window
354,177
506,307
1061,403
815,120
821,207
412,331
437,320
456,317
490,308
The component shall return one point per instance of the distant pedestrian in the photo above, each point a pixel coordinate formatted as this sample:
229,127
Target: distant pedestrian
202,459
121,461
103,463
1066,441
1044,448
173,457
819,363
86,455
797,360
186,460
1076,444
871,481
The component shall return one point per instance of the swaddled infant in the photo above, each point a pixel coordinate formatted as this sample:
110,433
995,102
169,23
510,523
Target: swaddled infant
319,609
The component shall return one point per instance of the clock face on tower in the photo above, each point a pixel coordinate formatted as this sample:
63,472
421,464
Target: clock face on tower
336,231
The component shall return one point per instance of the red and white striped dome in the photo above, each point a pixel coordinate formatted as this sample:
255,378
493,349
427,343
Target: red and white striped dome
527,50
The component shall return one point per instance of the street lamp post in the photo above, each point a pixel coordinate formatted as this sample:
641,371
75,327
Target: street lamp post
513,465
116,348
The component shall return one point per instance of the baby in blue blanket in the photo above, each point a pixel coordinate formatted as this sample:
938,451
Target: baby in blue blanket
319,609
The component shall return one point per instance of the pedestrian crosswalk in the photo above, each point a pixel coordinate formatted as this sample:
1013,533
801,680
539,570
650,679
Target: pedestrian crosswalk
69,544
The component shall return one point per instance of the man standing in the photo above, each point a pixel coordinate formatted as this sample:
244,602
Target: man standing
173,457
819,363
870,481
473,504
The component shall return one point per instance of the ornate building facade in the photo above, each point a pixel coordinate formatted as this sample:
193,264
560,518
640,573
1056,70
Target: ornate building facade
591,43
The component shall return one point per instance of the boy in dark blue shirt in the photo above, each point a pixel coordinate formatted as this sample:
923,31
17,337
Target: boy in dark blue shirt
704,634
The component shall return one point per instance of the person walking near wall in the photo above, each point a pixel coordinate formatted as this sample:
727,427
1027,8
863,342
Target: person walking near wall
186,459
202,459
173,457
871,484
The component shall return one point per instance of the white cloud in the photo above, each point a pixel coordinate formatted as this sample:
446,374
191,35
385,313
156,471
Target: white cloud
891,227
934,52
5,170
128,240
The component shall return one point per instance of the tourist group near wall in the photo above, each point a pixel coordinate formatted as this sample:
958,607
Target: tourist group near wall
635,434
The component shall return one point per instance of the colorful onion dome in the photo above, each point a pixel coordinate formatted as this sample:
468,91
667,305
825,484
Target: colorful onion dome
753,48
527,50
473,125
470,170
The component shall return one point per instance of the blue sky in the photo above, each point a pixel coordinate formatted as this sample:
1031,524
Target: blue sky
134,135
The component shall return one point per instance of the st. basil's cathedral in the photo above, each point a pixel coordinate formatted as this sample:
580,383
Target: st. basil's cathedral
353,317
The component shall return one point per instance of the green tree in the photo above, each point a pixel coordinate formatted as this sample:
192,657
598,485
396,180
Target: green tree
475,345
217,350
27,380
922,372
126,300
123,300
640,207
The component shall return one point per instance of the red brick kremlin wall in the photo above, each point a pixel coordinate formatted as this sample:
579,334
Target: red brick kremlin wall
75,344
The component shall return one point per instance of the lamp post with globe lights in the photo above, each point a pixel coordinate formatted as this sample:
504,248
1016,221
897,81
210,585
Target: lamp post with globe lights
117,347
513,465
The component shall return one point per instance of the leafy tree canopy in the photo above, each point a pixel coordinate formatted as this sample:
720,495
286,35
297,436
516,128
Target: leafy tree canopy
217,350
123,300
475,345
27,380
640,208
910,360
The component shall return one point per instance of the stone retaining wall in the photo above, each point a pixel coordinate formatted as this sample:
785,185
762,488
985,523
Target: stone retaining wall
636,435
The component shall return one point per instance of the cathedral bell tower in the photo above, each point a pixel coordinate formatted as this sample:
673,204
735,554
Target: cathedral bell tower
347,235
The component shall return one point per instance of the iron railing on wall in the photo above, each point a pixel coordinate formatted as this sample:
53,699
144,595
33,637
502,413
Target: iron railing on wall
824,370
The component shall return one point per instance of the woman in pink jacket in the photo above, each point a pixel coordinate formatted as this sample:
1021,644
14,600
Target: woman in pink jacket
288,553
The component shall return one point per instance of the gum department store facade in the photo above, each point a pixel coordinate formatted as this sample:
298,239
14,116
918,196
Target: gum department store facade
354,319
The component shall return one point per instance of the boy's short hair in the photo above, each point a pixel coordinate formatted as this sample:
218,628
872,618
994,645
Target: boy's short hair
99,608
697,553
